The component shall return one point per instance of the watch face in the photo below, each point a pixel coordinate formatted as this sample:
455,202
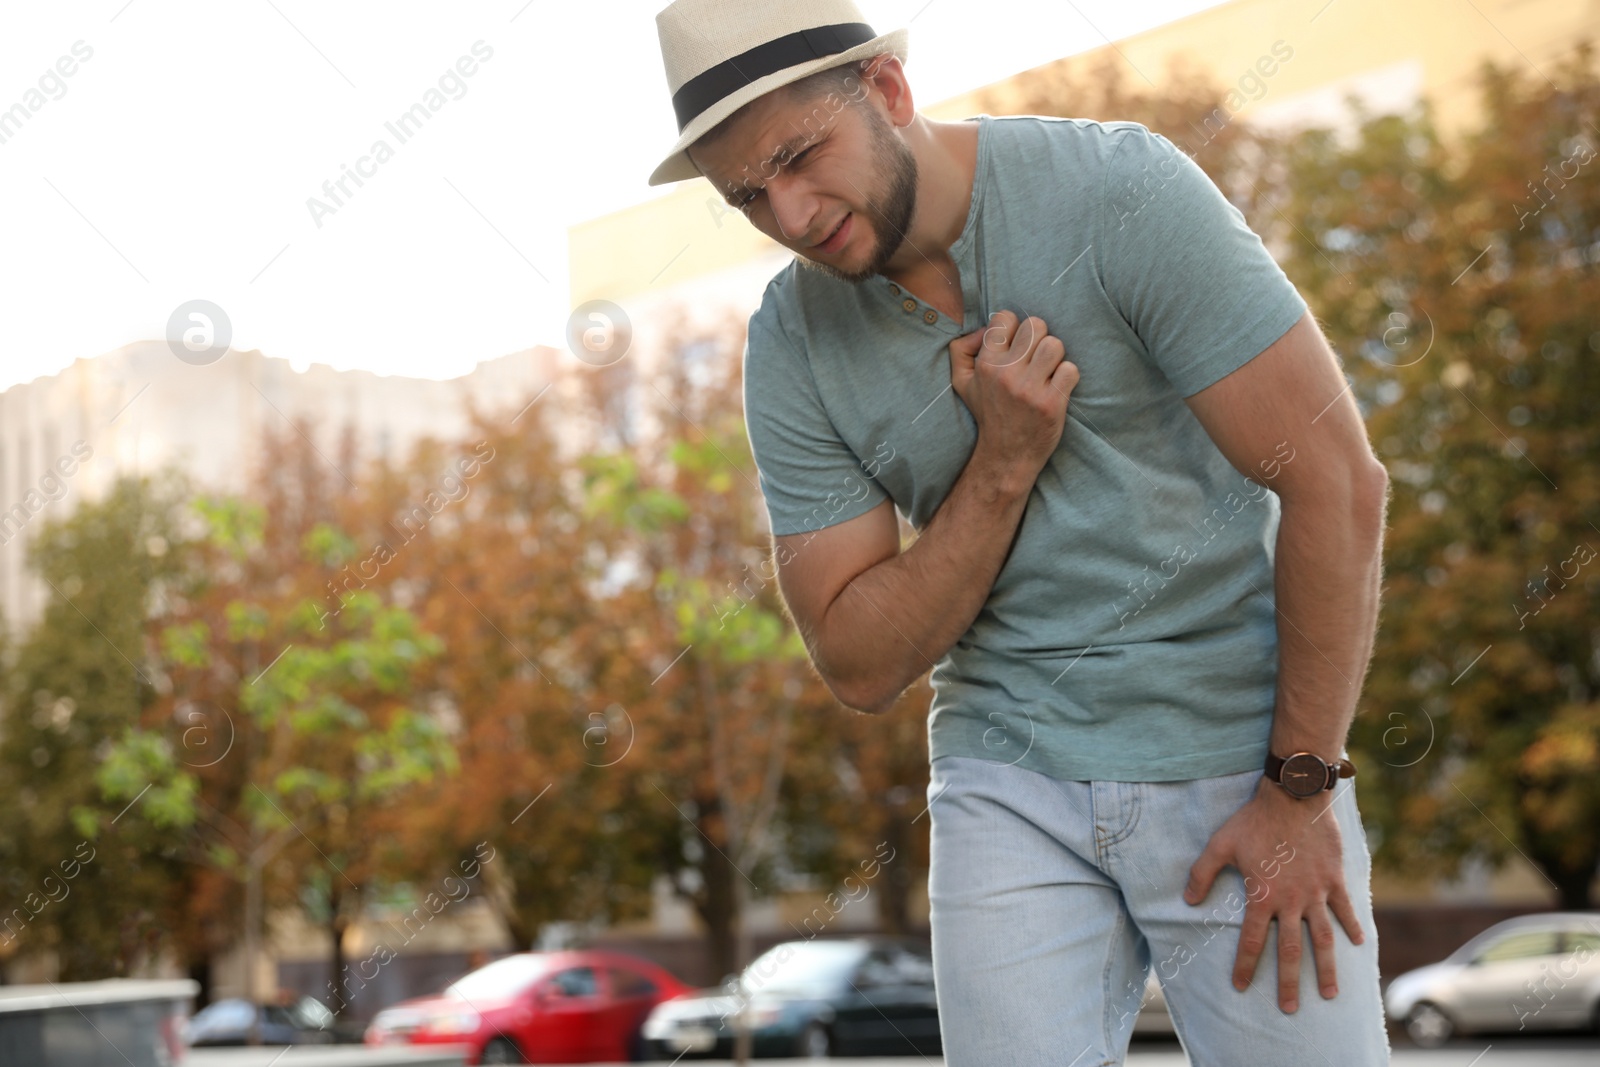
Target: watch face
1304,775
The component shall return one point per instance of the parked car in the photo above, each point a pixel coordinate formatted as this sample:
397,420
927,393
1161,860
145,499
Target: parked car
302,1021
1536,972
810,998
545,1007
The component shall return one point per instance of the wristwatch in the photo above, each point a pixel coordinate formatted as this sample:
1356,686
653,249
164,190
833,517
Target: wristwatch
1305,774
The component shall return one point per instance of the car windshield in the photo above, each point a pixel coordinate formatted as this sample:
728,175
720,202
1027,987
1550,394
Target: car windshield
1476,946
1582,939
804,968
313,1014
223,1015
502,978
1518,946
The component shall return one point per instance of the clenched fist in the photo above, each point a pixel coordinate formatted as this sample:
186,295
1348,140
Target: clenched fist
1015,379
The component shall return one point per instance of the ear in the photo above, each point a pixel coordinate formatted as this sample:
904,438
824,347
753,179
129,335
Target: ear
886,74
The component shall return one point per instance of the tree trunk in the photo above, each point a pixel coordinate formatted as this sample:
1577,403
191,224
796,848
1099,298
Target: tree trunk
1573,885
1572,875
499,886
894,878
716,901
336,929
252,924
200,972
743,1040
522,934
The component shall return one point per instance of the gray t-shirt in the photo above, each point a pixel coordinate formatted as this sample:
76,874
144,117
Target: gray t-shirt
1131,634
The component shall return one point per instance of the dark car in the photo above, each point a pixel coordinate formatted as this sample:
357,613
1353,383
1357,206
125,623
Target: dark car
543,1007
857,996
295,1022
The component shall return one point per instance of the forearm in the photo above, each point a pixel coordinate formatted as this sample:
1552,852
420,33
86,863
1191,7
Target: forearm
1328,571
893,621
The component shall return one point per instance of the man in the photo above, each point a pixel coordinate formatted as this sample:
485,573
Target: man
1146,576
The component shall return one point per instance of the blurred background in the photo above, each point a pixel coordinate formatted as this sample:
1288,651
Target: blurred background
384,578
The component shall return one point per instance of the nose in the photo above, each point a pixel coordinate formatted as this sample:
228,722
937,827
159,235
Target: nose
794,207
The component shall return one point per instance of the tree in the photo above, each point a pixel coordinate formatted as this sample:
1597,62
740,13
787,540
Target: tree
515,583
317,697
868,833
716,694
1189,109
1463,277
77,878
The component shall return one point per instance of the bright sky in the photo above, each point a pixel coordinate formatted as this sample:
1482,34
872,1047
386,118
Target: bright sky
175,162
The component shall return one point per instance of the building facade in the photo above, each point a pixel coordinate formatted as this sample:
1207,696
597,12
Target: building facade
67,437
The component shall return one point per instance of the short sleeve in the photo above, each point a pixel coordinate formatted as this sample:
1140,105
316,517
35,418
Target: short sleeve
1184,268
810,477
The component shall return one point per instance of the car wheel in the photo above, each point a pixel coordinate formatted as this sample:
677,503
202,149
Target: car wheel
501,1050
1428,1026
639,1048
814,1043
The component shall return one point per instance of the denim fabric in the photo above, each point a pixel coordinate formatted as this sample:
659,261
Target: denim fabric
1052,899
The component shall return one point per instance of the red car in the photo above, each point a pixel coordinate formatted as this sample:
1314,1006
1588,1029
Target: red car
544,1007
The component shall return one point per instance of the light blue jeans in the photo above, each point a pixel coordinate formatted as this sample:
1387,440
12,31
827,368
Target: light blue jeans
1051,900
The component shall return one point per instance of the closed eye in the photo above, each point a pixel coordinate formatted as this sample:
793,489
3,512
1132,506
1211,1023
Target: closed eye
735,202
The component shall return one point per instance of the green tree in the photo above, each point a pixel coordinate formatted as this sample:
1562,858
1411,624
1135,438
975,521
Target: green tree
744,742
315,726
1460,278
81,676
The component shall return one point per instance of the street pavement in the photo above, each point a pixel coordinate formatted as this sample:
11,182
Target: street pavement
1487,1052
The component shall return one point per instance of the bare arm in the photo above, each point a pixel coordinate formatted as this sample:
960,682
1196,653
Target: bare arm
1328,566
889,623
1330,535
875,619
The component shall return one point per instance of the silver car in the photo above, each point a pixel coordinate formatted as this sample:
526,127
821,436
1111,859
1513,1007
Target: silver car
1536,972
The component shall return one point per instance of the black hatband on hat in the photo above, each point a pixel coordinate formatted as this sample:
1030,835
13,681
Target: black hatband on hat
715,83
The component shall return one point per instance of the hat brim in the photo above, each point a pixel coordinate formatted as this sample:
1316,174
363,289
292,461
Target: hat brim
679,167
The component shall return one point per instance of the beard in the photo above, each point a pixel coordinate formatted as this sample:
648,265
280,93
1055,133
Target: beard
890,211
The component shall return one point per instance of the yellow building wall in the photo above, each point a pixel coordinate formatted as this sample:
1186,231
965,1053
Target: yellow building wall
689,232
1338,40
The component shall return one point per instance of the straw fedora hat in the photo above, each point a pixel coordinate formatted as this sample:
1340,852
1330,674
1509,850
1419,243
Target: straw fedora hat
722,54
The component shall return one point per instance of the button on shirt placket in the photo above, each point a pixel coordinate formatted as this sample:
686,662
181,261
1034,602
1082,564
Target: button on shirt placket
910,306
966,263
